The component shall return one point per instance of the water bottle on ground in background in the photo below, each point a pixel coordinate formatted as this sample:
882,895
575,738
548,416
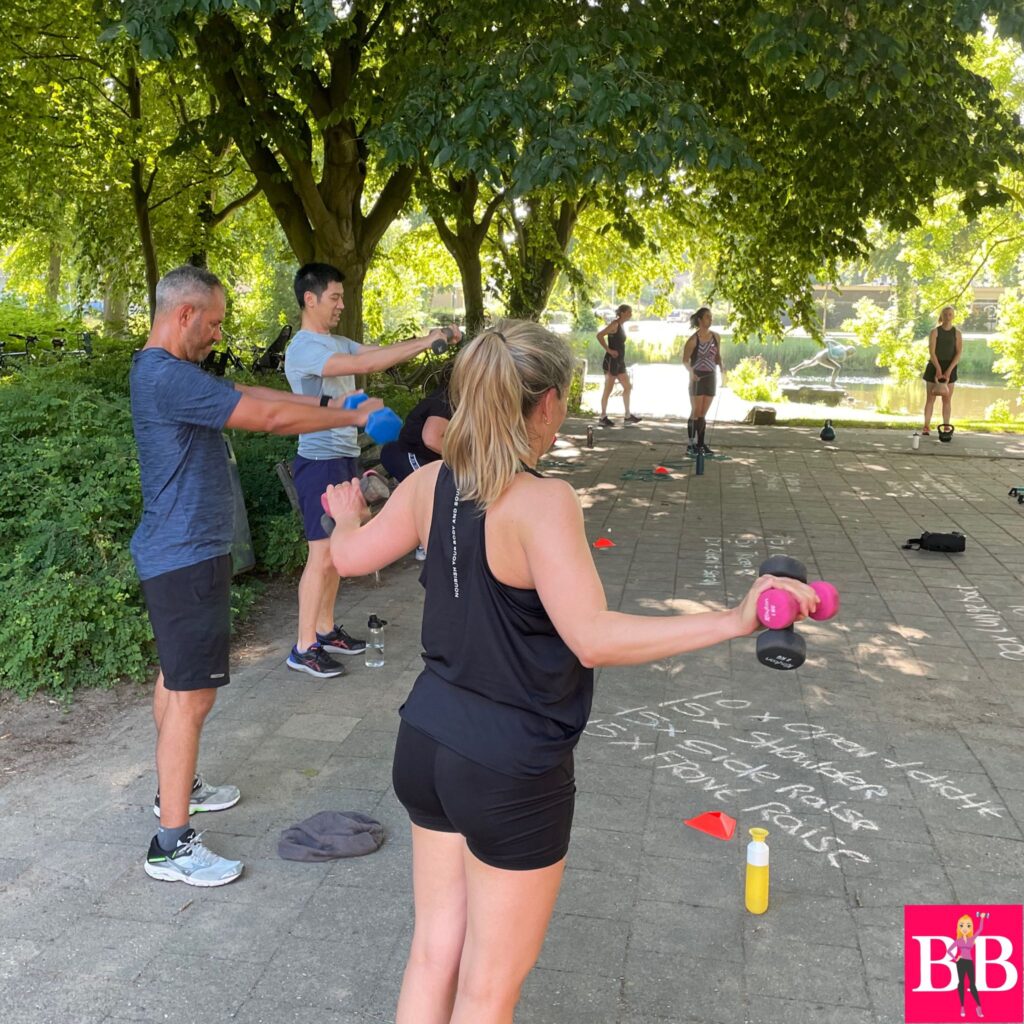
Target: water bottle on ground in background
375,642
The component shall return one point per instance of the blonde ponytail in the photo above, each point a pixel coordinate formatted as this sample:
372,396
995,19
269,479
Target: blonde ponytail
499,378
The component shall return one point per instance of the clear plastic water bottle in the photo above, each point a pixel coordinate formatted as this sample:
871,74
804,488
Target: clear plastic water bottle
375,642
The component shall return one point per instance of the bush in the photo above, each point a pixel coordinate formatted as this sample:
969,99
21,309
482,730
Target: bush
999,412
72,613
69,501
752,380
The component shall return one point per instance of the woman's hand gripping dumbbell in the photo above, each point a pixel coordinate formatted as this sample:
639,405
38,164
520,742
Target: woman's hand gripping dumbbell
780,646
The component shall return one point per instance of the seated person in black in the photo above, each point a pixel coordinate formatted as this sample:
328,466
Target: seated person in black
515,619
422,434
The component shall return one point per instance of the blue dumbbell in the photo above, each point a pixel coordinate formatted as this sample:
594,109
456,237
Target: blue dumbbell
382,425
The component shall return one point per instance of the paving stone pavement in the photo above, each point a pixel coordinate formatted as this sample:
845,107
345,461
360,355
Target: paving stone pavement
887,771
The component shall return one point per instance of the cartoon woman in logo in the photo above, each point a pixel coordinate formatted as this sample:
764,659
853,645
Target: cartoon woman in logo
962,952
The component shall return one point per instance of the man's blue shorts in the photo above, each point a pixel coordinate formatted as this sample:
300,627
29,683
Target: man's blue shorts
311,478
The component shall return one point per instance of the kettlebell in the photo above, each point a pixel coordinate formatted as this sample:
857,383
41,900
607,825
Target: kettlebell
828,432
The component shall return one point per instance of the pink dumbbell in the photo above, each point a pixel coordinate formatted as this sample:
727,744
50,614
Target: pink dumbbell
778,609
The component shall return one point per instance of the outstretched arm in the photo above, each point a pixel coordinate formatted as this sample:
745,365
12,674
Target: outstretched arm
282,414
374,358
556,549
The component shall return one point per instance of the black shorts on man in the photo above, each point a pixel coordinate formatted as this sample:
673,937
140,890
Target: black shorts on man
312,477
190,611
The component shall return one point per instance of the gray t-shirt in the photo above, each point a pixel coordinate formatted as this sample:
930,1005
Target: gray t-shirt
188,510
303,366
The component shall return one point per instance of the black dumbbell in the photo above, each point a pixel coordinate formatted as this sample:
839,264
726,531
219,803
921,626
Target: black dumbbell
440,346
782,648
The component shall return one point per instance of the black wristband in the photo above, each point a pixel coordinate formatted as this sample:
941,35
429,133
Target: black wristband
325,400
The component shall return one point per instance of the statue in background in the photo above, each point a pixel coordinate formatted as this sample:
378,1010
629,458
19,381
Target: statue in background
832,356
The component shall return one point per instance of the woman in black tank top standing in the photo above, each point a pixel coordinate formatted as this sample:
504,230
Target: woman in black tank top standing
613,340
945,346
514,621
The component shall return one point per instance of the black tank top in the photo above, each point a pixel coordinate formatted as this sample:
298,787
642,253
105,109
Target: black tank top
617,340
499,686
945,345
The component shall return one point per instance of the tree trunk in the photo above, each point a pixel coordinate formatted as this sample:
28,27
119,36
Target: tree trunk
53,273
141,190
473,294
542,240
115,309
465,241
322,220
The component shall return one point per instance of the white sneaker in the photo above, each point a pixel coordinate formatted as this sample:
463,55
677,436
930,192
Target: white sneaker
421,554
205,797
190,862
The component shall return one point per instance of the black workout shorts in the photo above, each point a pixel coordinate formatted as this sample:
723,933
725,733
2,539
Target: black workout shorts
615,366
929,374
190,610
510,823
705,383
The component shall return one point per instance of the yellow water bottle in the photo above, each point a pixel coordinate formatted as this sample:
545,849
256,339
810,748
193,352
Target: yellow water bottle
756,897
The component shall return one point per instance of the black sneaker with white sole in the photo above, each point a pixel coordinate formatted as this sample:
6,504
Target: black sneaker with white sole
339,642
316,661
604,421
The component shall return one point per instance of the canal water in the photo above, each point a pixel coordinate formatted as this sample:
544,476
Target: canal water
660,389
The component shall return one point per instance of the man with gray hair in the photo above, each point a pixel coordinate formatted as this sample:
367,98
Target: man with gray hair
182,545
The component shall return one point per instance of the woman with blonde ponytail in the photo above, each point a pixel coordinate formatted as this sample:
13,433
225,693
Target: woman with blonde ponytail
514,621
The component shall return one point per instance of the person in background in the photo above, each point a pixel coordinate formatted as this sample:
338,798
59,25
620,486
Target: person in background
702,356
422,436
612,338
945,347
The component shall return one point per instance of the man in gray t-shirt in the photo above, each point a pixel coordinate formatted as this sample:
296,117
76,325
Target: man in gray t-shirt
321,365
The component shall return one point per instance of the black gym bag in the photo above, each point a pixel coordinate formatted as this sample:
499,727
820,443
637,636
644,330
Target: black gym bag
949,542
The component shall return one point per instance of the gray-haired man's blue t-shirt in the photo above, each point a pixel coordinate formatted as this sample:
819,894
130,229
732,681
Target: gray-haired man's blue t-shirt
178,412
304,363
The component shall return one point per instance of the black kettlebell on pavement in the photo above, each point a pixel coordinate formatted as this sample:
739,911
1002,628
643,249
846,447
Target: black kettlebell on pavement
828,433
783,649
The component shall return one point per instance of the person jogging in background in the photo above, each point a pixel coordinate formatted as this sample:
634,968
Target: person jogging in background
182,545
612,338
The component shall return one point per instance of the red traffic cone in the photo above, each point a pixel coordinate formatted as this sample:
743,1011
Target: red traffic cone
715,823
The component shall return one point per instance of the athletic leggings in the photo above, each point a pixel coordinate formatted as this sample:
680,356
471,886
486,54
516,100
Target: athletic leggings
965,970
